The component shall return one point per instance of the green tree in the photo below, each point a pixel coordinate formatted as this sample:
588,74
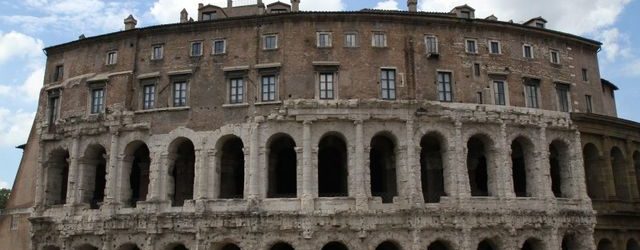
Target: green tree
4,197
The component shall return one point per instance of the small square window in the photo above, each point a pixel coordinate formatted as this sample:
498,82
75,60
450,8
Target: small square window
324,39
527,51
196,49
379,40
270,42
495,48
112,57
58,75
157,52
555,57
431,43
351,40
471,46
219,47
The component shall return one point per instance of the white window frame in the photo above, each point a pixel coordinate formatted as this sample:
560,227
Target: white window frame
396,79
426,44
143,84
475,44
334,82
242,96
270,91
538,98
224,46
191,49
524,51
92,88
494,91
551,52
174,81
491,47
355,39
264,41
153,52
451,85
112,60
329,39
384,39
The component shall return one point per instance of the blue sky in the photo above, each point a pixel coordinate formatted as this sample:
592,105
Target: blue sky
27,26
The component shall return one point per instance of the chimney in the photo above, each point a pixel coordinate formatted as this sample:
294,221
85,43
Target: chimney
184,16
295,5
229,3
130,23
412,5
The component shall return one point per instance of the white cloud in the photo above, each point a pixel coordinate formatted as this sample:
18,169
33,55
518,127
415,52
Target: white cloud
632,68
15,45
31,87
14,127
387,5
615,44
5,90
4,185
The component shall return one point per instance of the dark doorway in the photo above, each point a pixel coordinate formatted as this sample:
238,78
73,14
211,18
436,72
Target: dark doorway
283,164
96,173
477,166
382,166
486,245
180,247
387,245
605,244
57,177
230,247
282,246
139,178
559,164
332,167
620,173
335,246
431,168
519,169
183,171
438,245
232,166
595,186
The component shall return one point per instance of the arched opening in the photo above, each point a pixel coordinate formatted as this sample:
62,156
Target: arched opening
334,246
438,245
57,179
569,242
431,168
332,167
283,164
50,248
605,244
619,174
636,166
595,185
388,245
632,245
282,246
86,247
487,245
232,169
382,167
230,246
477,165
182,171
532,244
521,166
129,246
94,175
139,175
178,247
560,164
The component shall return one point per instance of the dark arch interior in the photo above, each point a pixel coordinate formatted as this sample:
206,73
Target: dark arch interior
387,245
129,247
633,245
139,178
569,243
382,166
95,157
50,248
283,164
438,245
230,247
58,177
335,246
532,244
605,245
591,157
431,169
558,160
183,173
282,246
619,174
86,247
180,247
519,169
232,169
486,245
477,167
332,167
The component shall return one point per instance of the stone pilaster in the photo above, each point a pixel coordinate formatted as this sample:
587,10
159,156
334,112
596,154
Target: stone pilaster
607,169
500,168
359,176
308,179
201,173
579,181
113,169
73,197
457,158
253,183
213,174
412,165
543,168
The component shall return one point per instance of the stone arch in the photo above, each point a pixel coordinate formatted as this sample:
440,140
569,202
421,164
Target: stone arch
432,157
479,161
232,167
487,244
282,168
94,175
440,245
605,244
136,169
632,244
335,245
618,164
388,245
182,159
382,167
569,242
532,244
333,167
86,247
592,166
636,166
129,246
522,166
57,177
560,168
281,246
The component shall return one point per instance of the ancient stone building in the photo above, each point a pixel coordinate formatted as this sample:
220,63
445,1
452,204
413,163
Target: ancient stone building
267,128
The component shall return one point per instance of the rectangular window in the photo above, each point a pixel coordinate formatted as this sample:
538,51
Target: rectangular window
97,100
479,98
112,57
219,47
196,49
585,75
326,86
270,42
555,57
180,93
500,93
236,90
157,52
149,96
563,97
268,88
471,46
351,40
589,104
324,39
388,84
445,91
14,223
495,48
476,69
54,106
527,51
531,91
58,75
206,16
379,40
432,44
540,25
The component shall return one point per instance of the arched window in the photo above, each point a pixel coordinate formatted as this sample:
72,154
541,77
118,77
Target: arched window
636,166
522,160
230,246
182,171
432,168
334,246
532,244
477,165
438,245
559,161
595,184
137,157
283,164
632,245
388,245
129,246
605,244
382,166
57,177
282,246
569,242
232,168
332,167
619,174
94,178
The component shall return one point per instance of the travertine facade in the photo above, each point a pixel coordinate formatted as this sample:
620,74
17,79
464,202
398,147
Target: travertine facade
262,127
